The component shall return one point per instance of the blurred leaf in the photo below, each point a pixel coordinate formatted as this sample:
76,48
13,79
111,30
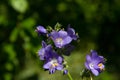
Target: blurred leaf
108,76
19,5
3,20
9,49
9,66
26,45
88,8
7,76
62,7
3,15
28,23
14,35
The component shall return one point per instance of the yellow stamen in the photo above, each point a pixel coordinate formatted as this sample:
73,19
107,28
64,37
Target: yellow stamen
59,40
55,64
100,65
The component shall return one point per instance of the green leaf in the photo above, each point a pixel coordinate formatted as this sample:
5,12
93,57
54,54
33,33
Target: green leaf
14,35
62,7
10,50
7,76
19,5
28,23
9,66
57,26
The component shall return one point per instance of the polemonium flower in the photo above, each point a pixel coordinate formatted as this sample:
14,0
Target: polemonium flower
60,38
54,63
71,33
41,30
95,63
65,71
44,51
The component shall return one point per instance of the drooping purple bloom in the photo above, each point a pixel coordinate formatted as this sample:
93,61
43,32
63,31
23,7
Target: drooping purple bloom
71,33
60,38
41,30
54,63
44,51
65,71
95,63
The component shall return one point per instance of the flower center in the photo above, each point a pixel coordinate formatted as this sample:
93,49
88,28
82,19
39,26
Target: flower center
59,40
101,66
54,63
91,65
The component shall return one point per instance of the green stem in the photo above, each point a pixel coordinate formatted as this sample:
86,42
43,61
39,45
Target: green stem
70,77
91,77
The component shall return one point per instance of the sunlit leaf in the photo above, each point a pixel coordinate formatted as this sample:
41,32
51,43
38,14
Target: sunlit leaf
19,5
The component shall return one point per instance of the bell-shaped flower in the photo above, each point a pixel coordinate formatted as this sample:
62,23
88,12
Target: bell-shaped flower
41,30
44,51
95,63
53,63
71,33
60,38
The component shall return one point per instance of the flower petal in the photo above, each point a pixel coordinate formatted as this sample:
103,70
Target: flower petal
41,29
47,65
87,65
71,33
54,35
95,72
100,59
60,59
52,70
44,44
94,54
48,48
88,58
62,33
59,67
67,40
41,53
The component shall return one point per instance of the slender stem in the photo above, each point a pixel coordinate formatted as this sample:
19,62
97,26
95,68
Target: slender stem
91,77
70,77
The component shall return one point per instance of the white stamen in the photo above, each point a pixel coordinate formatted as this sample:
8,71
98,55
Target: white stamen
54,63
59,41
91,65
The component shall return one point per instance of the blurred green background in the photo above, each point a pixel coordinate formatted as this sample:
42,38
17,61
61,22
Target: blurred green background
96,21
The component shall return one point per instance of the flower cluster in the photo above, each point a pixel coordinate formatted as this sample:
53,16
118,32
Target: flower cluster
58,42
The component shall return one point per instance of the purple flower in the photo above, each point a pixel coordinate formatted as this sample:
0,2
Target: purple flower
41,30
60,38
54,63
71,33
65,71
95,63
44,51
